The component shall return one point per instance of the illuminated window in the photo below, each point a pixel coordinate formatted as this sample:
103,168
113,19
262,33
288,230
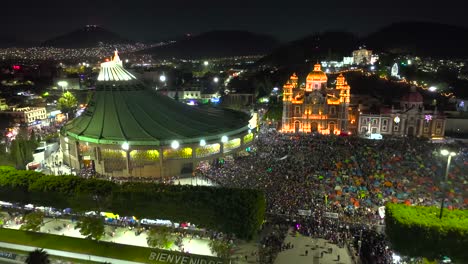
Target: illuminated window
297,110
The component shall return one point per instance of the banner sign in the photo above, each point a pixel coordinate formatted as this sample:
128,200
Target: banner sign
172,258
305,212
330,215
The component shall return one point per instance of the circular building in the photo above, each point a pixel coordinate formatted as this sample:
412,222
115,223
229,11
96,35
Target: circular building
129,130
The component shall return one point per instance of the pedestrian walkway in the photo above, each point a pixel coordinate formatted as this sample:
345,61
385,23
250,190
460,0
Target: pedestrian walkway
312,250
67,254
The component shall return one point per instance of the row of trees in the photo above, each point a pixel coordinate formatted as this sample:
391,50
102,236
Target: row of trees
233,211
161,237
20,150
417,231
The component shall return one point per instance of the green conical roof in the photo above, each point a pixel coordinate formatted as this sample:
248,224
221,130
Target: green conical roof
126,111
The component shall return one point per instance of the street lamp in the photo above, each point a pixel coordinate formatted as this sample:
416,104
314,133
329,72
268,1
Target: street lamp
202,143
162,78
63,84
125,146
449,155
215,79
205,63
224,139
175,144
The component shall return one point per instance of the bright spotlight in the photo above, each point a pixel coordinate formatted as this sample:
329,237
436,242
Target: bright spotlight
202,143
125,146
224,139
175,144
215,79
162,78
205,63
432,88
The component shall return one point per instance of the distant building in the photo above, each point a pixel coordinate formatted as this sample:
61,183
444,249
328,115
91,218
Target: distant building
185,95
3,104
411,119
234,100
362,56
315,107
25,115
348,60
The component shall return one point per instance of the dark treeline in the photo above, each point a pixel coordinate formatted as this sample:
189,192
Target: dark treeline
234,211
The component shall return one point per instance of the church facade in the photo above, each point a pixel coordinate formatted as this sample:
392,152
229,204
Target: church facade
314,107
411,118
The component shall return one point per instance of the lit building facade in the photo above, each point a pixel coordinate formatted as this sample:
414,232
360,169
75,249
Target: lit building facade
411,119
26,115
315,107
362,56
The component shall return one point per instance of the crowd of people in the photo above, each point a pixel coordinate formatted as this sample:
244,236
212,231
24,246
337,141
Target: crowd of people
351,176
334,186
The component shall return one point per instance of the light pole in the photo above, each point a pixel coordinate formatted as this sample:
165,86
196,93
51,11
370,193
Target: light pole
63,84
449,155
163,79
125,147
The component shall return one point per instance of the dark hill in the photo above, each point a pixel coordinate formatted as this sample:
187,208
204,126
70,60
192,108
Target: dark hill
216,44
421,39
87,37
327,45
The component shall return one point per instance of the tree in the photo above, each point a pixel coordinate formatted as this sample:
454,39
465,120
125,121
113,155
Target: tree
38,256
91,227
220,248
33,221
67,104
160,237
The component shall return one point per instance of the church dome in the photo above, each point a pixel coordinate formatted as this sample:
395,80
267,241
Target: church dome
413,96
317,75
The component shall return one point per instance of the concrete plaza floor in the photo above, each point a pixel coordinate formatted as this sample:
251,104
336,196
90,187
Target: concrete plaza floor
122,235
314,246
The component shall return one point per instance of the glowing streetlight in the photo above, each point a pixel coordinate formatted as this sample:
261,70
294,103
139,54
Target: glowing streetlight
175,144
224,139
125,146
162,78
206,63
449,155
432,88
202,143
215,79
63,84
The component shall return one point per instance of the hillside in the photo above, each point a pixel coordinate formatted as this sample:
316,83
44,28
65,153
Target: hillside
216,44
87,37
421,39
327,45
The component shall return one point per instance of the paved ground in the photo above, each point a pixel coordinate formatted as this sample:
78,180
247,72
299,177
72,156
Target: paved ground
314,247
121,235
55,158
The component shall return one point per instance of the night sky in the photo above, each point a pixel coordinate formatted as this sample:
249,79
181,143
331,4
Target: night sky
153,19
